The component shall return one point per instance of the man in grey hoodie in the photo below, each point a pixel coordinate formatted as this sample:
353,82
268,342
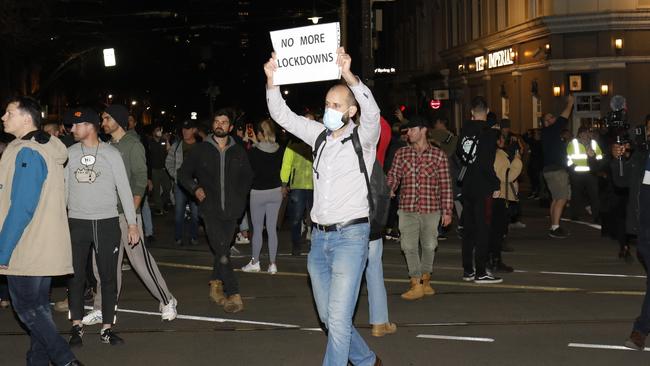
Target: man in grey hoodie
115,122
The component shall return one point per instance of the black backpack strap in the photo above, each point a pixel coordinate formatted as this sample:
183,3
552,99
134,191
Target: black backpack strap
320,140
362,164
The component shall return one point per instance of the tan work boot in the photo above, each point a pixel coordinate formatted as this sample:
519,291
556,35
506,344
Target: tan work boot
61,306
416,291
216,292
428,290
233,304
380,330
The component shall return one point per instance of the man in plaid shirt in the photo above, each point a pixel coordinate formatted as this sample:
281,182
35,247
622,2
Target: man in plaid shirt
426,193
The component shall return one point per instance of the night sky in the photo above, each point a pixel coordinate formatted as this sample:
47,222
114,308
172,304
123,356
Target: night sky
168,52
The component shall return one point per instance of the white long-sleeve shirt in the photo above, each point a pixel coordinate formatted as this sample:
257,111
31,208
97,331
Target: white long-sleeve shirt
340,192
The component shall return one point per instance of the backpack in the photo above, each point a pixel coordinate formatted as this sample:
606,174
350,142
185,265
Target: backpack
378,190
466,153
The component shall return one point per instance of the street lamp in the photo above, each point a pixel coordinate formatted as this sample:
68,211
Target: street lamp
109,57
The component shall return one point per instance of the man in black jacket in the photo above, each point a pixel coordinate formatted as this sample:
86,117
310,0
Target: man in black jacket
477,150
219,175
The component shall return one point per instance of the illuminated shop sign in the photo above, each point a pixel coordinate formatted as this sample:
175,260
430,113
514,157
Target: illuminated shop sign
495,59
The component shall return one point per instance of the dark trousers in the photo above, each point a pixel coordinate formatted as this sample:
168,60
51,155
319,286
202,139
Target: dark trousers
161,187
103,236
300,200
642,323
4,289
30,300
498,228
477,218
220,233
584,184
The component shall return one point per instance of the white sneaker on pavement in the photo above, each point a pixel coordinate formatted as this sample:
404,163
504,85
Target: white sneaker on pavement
273,269
251,267
168,311
93,317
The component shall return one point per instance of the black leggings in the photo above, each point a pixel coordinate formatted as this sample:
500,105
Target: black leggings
104,236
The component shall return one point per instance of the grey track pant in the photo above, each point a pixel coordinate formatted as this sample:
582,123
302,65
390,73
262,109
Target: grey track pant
265,204
142,263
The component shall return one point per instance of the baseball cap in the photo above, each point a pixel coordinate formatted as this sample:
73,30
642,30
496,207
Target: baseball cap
188,123
416,121
80,115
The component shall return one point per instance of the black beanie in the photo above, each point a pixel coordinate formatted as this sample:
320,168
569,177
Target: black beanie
120,114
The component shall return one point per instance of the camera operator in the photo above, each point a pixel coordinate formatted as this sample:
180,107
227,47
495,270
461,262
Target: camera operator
632,156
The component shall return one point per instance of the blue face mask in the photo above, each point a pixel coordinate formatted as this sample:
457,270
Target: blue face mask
333,119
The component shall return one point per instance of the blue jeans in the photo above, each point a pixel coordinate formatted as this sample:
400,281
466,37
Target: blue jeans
299,201
30,300
335,264
375,284
181,198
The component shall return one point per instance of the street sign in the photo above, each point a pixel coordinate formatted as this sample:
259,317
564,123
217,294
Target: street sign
306,54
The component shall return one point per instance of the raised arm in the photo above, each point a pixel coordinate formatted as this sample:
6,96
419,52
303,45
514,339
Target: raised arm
569,106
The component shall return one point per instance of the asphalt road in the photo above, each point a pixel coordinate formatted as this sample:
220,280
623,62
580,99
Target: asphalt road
570,302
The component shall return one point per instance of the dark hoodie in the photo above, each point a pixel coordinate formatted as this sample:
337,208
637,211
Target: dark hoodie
480,179
225,177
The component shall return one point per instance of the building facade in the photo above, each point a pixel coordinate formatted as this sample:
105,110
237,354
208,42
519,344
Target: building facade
525,56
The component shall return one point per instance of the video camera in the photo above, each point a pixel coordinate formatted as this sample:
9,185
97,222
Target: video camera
617,117
619,128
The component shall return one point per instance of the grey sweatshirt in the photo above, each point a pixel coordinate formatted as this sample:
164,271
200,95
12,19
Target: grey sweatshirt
98,200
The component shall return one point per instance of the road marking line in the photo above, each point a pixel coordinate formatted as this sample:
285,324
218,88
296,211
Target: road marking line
603,346
446,283
206,318
453,338
629,293
589,274
593,226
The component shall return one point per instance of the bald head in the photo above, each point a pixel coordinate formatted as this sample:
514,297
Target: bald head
344,93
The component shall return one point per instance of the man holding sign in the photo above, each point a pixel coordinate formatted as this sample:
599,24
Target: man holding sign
339,242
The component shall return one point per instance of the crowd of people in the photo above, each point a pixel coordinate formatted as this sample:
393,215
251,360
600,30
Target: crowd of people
230,178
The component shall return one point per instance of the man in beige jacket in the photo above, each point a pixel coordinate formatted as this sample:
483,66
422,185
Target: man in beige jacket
34,238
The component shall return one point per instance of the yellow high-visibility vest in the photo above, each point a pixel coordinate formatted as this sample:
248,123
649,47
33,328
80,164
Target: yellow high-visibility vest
577,155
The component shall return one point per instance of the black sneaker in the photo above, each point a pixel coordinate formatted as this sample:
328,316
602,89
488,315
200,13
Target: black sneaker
558,233
487,278
76,333
468,277
107,336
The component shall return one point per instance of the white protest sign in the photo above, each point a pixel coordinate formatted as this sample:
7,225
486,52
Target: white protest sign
306,54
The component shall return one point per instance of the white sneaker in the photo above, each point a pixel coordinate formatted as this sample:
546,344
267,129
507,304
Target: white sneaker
250,267
517,225
93,317
241,239
169,311
273,269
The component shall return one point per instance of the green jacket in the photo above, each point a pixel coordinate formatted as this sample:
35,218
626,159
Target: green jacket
135,162
296,169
